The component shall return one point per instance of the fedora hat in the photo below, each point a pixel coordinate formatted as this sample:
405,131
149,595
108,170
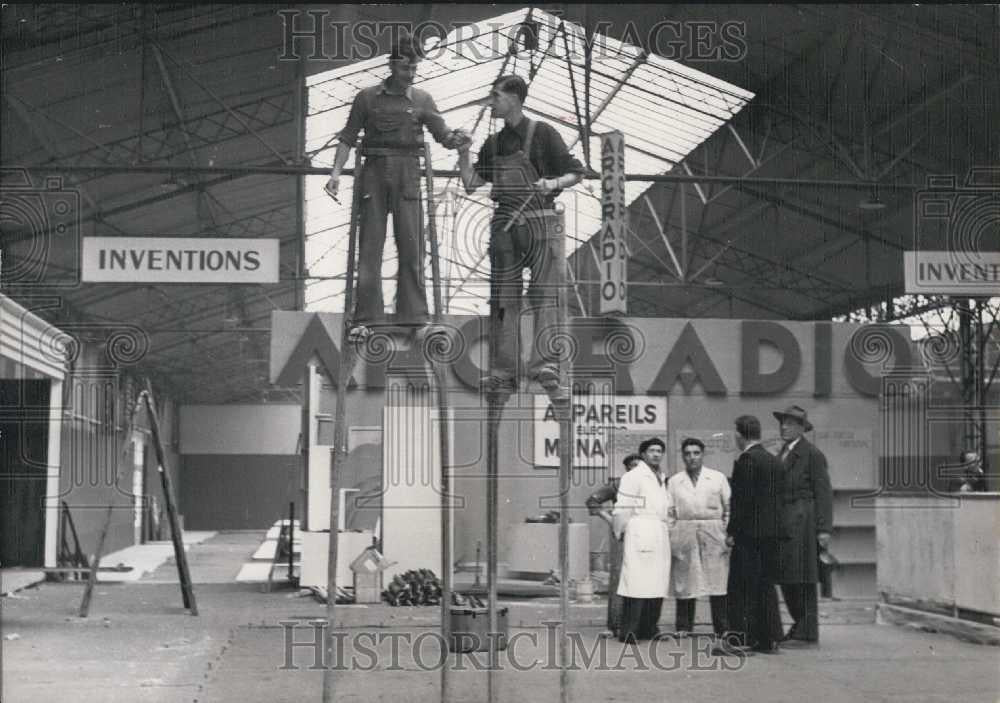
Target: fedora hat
796,413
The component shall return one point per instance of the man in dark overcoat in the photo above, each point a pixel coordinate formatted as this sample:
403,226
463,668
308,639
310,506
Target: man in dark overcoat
807,514
754,528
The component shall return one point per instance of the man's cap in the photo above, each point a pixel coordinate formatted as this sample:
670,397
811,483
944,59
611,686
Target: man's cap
796,413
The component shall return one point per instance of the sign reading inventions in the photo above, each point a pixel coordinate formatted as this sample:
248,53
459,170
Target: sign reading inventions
179,260
950,273
612,254
606,428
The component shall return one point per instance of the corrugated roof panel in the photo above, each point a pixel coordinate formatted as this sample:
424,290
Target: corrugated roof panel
697,76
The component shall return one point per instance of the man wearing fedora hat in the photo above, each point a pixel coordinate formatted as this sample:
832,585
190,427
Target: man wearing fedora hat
807,515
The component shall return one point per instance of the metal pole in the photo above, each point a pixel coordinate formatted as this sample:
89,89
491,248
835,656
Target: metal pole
566,452
967,341
291,170
981,388
494,412
684,233
301,99
291,541
339,453
495,400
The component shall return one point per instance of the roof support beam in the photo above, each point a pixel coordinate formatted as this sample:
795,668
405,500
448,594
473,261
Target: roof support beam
272,168
239,118
663,233
639,60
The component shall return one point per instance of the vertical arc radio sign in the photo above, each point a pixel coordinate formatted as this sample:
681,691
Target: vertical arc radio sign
612,254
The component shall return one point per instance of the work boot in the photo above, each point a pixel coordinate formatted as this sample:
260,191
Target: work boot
498,381
730,646
548,377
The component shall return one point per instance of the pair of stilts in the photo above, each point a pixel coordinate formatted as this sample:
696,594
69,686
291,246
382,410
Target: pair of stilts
437,344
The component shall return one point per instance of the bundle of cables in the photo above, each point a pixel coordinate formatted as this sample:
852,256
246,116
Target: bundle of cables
415,587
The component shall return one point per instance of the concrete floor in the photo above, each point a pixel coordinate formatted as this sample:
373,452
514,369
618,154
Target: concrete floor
140,645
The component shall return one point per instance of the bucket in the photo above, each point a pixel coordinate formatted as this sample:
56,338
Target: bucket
470,630
585,591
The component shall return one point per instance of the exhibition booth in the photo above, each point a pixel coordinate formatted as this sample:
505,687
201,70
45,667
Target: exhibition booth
634,378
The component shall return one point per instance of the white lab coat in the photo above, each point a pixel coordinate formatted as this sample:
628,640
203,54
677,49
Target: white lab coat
698,518
641,514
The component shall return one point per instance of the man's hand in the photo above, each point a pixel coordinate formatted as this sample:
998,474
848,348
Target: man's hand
458,139
332,186
823,539
730,540
546,185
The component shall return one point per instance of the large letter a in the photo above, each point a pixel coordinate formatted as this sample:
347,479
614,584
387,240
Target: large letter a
689,349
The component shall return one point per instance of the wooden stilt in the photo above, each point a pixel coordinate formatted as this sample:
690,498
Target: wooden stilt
496,398
562,405
348,357
495,402
436,347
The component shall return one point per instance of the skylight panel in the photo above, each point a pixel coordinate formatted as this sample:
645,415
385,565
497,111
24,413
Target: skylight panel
664,109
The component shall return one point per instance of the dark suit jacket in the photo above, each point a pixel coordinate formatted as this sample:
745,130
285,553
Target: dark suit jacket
757,496
606,493
807,511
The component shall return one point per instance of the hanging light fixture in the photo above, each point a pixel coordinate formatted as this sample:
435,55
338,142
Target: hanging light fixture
873,201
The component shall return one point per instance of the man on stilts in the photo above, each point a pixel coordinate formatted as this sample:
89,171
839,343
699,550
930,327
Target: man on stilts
392,115
529,165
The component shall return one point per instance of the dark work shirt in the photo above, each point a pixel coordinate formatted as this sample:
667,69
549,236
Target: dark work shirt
549,154
393,119
604,494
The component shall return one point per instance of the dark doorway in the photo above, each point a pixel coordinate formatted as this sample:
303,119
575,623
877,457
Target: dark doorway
24,437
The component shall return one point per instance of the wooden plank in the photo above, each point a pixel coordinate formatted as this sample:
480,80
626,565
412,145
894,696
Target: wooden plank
187,589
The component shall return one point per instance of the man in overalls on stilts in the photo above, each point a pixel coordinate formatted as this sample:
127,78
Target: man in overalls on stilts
393,115
529,165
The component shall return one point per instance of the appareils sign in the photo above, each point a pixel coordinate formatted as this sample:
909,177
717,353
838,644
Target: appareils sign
605,428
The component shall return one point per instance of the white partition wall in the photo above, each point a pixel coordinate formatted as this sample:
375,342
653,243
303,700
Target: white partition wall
31,348
411,502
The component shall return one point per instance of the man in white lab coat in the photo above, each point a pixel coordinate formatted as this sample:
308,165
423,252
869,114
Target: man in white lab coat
699,512
640,516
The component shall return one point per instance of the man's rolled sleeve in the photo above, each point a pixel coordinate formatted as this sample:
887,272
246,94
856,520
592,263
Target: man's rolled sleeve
563,161
484,165
355,120
600,497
